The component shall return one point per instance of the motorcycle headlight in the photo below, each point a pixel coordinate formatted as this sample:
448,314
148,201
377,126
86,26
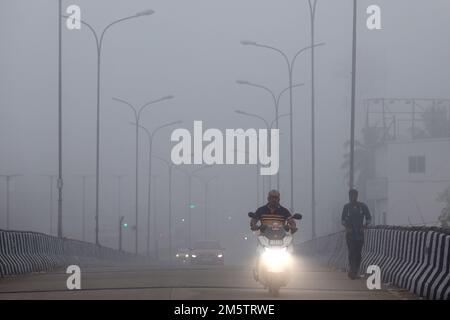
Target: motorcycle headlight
219,255
276,259
177,255
186,256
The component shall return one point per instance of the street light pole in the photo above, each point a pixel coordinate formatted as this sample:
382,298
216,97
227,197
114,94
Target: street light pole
352,121
60,177
121,218
206,184
155,221
50,206
99,43
150,135
312,11
119,205
83,192
190,175
290,65
137,116
170,168
8,178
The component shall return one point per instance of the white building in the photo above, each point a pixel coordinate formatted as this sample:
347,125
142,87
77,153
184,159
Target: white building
410,174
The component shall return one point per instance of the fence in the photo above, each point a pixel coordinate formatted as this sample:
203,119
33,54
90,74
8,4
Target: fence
413,258
25,252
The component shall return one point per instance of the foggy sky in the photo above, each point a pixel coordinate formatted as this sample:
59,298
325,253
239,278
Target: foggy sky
192,49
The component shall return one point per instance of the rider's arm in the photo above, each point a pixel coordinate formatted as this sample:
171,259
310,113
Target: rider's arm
291,222
254,221
253,224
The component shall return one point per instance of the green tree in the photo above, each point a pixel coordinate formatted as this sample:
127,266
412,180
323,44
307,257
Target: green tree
364,161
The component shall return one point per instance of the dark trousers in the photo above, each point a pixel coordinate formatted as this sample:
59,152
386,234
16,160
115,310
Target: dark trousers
354,254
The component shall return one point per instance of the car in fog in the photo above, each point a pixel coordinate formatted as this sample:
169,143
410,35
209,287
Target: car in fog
207,252
183,256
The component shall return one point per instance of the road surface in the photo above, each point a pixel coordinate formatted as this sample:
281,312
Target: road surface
191,283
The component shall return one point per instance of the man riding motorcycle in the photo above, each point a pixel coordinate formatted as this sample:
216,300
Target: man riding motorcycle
272,210
273,207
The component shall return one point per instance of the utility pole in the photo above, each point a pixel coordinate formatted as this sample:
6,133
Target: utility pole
60,177
8,178
312,9
352,123
120,232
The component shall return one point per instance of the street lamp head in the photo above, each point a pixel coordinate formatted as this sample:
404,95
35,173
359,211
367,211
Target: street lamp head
240,112
145,13
174,123
242,82
248,43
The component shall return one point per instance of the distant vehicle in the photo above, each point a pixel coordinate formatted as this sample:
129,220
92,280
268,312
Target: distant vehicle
183,256
207,252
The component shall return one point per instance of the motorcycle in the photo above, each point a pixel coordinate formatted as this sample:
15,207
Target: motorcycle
274,251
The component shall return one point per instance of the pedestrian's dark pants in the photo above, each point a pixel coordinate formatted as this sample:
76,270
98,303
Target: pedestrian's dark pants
354,254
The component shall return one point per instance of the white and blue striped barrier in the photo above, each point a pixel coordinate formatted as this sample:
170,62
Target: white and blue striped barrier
416,259
25,252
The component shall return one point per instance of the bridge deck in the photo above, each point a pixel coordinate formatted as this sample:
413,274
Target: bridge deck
310,281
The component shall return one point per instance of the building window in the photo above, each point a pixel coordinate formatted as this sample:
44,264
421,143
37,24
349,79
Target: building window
417,164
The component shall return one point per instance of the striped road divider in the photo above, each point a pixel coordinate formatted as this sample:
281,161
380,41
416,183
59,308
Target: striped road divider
412,258
25,252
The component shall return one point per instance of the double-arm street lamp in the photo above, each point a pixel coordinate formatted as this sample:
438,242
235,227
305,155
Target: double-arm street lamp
99,45
269,127
276,103
150,135
290,64
137,115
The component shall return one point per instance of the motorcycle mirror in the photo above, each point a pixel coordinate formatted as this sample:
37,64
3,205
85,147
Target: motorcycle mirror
251,215
297,216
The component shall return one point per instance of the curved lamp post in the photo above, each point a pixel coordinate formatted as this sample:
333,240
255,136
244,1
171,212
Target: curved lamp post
275,121
137,115
99,45
290,64
150,135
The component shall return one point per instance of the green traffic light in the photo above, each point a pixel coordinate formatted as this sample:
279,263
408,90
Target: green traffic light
125,225
192,206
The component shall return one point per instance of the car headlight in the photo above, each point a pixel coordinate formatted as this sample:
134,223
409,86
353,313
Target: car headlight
187,256
177,255
219,255
194,256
